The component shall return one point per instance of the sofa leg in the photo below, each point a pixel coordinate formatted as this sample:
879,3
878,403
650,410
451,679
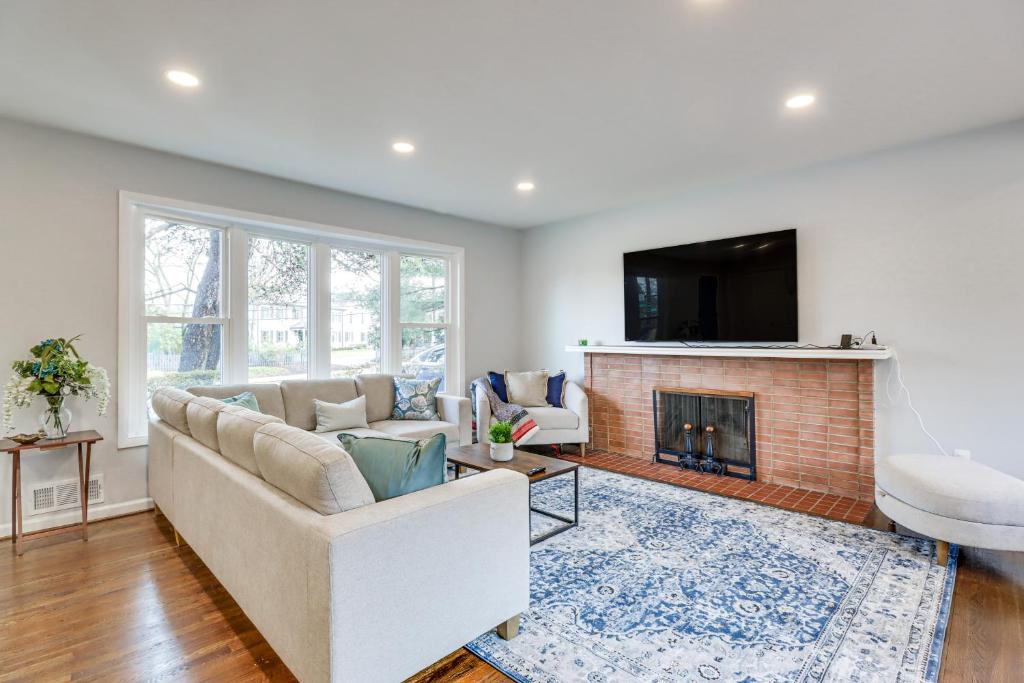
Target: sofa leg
941,552
177,538
892,525
583,450
507,630
156,510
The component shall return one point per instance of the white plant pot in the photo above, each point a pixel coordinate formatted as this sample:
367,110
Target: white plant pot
502,452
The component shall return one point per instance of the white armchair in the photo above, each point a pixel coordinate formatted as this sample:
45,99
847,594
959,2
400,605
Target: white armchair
570,424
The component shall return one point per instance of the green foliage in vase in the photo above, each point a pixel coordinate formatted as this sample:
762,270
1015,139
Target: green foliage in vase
55,371
501,432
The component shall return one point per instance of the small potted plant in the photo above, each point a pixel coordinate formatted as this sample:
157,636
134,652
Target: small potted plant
501,441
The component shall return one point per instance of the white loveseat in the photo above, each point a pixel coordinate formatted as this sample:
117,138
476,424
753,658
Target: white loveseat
570,424
362,595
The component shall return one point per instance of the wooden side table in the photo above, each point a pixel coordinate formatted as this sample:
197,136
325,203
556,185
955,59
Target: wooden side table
79,439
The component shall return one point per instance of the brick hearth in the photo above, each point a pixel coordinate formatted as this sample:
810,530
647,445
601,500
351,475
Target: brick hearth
814,417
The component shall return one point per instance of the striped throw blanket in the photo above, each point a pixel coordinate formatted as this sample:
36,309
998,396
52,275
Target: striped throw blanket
523,426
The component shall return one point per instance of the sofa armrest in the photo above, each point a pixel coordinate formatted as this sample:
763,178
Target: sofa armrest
431,570
457,410
576,400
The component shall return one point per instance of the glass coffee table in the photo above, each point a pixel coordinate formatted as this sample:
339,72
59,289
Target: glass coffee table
477,457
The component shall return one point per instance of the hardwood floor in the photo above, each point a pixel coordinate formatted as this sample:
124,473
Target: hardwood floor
130,606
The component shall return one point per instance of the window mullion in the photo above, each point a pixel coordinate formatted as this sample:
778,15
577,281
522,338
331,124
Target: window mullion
391,327
320,312
236,351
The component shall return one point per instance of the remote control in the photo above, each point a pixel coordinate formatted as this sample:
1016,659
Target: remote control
535,470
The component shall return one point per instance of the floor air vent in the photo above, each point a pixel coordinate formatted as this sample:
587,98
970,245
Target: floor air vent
63,495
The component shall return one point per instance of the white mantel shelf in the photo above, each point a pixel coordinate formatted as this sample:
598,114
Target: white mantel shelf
739,352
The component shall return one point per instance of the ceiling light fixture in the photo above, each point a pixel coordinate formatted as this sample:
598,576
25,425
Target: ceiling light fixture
182,78
525,186
403,147
800,101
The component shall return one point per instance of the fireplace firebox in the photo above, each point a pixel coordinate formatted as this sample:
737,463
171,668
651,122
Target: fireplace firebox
706,430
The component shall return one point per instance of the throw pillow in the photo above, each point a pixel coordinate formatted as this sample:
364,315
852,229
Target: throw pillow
498,384
556,389
528,389
395,467
246,399
416,399
330,417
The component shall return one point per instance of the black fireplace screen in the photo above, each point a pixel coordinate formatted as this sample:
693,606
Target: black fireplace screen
720,439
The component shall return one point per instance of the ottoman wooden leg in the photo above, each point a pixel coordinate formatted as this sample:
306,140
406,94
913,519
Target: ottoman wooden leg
507,630
941,552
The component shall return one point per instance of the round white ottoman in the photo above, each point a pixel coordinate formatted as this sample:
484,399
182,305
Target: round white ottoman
952,500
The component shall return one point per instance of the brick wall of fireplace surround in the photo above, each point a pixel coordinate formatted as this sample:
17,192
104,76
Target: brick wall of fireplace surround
814,418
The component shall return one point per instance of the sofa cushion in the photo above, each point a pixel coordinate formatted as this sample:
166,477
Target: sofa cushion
305,466
416,399
549,417
379,391
527,388
953,487
236,427
417,429
332,417
202,413
395,467
267,395
298,396
169,405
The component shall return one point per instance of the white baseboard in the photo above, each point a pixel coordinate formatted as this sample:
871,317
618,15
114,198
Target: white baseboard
96,513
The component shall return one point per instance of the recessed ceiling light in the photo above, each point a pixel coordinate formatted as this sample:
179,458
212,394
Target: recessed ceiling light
182,78
525,186
403,147
800,101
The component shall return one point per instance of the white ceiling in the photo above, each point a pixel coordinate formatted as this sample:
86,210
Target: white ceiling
602,102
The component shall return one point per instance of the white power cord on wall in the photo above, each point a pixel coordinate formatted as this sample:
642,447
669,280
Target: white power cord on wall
898,371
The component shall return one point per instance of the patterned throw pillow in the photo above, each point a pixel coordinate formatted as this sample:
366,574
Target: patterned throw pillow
416,399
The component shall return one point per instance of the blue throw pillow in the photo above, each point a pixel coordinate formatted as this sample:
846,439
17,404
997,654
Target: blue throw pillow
498,384
246,399
395,467
416,399
556,389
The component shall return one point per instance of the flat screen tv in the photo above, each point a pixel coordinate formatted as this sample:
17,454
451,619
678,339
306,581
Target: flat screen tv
741,289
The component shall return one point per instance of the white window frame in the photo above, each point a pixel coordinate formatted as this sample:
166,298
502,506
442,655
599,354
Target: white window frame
446,325
238,227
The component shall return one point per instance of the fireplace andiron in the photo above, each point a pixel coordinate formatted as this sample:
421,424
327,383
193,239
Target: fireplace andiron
688,460
709,463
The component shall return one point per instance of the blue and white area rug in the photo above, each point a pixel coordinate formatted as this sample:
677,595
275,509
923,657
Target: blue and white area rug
661,583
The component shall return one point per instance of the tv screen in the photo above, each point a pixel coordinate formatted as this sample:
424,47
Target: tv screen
741,289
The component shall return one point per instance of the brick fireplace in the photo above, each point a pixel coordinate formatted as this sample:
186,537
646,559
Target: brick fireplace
814,416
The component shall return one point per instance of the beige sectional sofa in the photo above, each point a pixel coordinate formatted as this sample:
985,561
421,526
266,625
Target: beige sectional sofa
372,593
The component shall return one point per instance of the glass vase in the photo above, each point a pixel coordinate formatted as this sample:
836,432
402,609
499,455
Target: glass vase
55,420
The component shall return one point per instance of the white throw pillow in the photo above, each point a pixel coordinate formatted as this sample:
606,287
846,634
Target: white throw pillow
528,389
330,417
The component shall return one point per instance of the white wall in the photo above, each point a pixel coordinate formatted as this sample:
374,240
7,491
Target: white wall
923,243
58,245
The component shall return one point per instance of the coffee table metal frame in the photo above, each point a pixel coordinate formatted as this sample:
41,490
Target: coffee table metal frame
567,522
